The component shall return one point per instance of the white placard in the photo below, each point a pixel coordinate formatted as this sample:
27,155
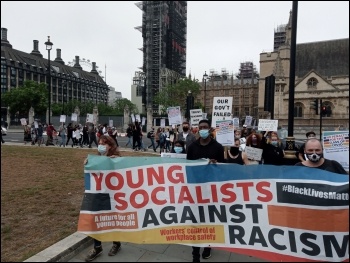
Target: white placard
162,123
89,118
23,121
336,147
248,121
267,125
222,109
137,118
174,115
132,117
36,125
74,117
62,118
235,123
204,116
225,132
110,123
143,122
174,155
253,153
196,116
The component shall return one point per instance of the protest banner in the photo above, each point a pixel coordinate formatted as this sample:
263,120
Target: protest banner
336,147
278,213
267,125
174,115
225,133
74,117
196,116
253,153
248,121
62,118
89,118
23,121
222,109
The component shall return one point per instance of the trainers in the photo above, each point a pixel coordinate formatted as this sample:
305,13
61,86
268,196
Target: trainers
115,248
206,253
94,253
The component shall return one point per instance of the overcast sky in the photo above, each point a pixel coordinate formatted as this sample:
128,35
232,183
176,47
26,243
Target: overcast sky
219,34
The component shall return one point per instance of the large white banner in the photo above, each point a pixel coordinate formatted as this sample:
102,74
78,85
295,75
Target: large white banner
222,109
336,147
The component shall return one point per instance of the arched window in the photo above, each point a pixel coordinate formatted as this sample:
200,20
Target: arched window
312,83
298,110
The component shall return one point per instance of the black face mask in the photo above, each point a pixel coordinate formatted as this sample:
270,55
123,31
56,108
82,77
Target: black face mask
234,151
185,129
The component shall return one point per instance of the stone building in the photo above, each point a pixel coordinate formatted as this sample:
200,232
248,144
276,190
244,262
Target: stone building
321,72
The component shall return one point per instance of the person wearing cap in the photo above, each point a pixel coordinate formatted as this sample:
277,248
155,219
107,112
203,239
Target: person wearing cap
301,154
244,132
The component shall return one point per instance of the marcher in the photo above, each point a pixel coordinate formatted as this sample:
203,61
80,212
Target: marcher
315,158
106,147
151,135
129,132
27,134
186,135
62,131
40,132
301,154
49,132
234,155
136,137
205,147
272,150
92,134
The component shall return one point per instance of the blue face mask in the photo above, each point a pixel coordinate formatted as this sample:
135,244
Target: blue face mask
274,143
178,149
204,133
102,149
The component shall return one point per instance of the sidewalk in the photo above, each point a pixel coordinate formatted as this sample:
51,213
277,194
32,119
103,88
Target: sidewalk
75,248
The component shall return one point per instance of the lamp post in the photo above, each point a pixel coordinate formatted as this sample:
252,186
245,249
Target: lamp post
49,45
190,102
205,76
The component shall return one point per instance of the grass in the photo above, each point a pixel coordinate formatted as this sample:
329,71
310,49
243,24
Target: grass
41,194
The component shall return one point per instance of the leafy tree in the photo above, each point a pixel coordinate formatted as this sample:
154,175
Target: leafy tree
31,94
120,105
176,94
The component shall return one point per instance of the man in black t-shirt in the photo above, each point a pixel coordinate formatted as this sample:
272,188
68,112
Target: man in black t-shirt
314,154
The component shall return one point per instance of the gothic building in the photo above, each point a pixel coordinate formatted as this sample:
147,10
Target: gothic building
321,72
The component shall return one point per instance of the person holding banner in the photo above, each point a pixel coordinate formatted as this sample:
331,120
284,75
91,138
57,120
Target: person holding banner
315,159
106,147
209,148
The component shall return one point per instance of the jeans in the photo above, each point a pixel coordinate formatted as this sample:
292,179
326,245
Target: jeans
152,144
63,140
129,142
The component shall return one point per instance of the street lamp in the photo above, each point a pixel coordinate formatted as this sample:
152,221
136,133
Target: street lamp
205,76
49,45
189,102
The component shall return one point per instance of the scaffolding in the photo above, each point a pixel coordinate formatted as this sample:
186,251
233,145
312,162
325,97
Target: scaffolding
247,70
164,28
280,36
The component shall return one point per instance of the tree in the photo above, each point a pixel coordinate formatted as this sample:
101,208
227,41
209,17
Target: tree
176,94
31,94
120,105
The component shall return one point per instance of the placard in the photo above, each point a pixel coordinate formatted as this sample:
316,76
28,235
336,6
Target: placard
248,121
174,115
196,117
162,123
36,125
137,118
110,123
74,117
23,121
235,123
62,118
89,118
222,109
267,125
253,153
225,132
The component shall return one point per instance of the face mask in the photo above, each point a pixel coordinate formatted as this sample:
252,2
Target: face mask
204,133
102,149
314,157
254,141
178,149
234,150
274,143
185,129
